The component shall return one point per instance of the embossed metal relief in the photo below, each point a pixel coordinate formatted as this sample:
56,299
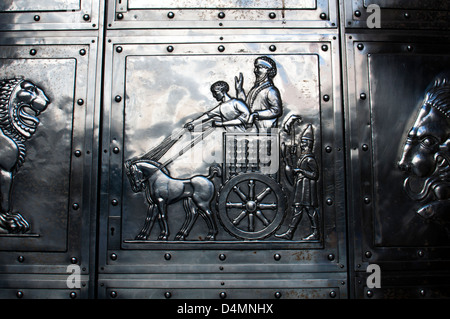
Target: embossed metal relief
263,177
21,102
426,154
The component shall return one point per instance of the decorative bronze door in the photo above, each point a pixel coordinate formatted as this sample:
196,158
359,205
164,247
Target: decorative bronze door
228,149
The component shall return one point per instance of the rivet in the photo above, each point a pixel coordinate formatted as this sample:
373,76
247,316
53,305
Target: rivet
120,16
113,256
221,268
272,15
119,49
170,48
82,52
223,295
167,294
221,48
420,253
33,52
75,206
422,292
368,254
116,150
328,149
323,15
77,153
409,48
329,201
333,294
114,202
277,295
324,47
117,98
167,256
272,48
360,46
277,257
330,257
221,15
363,96
365,147
19,294
357,13
86,17
113,294
222,257
73,295
326,97
21,259
73,260
369,293
366,200
37,18
80,101
171,15
406,15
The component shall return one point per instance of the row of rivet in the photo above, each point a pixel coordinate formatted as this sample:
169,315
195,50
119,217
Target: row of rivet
221,15
86,17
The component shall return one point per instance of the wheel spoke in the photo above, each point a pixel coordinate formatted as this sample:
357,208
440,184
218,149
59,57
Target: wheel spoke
267,206
240,193
240,217
251,222
234,205
263,194
251,189
262,218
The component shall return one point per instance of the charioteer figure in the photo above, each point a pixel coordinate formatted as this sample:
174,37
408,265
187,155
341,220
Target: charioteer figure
306,173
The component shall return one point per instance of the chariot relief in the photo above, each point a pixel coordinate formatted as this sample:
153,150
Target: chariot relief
426,154
268,154
21,102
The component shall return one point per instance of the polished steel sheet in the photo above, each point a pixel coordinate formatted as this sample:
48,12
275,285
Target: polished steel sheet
400,14
389,79
53,190
190,14
157,89
50,15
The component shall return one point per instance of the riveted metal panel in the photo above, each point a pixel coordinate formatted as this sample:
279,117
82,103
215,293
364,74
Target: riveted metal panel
48,111
391,223
399,14
155,90
222,14
50,15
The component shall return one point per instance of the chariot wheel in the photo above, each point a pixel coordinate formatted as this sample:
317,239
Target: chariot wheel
251,206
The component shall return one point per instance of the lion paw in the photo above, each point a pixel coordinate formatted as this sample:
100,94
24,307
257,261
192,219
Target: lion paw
13,223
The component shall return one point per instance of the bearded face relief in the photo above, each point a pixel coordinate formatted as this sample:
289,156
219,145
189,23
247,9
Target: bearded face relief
426,153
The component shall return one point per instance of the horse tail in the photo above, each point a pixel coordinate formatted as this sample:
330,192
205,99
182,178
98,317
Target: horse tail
215,170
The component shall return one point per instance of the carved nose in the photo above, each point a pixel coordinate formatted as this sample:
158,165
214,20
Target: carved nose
403,166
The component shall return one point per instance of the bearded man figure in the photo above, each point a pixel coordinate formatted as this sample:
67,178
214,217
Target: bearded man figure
426,154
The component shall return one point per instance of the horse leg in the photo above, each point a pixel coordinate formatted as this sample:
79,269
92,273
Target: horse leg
208,216
190,214
162,207
148,224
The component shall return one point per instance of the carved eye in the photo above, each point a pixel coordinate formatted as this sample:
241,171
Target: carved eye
429,141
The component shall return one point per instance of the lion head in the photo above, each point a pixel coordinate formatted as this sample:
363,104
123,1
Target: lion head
426,152
21,102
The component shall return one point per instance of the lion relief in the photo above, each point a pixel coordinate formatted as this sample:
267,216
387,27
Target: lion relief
426,154
21,102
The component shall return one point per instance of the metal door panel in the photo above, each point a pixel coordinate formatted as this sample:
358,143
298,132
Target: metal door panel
225,287
50,15
54,188
222,14
388,79
398,14
154,90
